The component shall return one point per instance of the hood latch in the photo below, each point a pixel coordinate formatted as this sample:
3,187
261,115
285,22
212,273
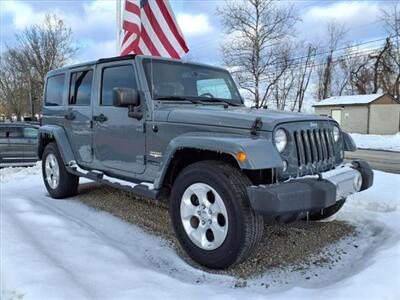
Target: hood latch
256,127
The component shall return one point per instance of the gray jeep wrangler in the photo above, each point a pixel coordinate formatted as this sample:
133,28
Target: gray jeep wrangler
167,129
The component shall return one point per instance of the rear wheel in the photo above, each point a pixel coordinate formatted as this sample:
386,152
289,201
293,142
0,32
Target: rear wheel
59,183
327,212
211,214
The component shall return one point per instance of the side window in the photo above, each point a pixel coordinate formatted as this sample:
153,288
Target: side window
113,77
14,133
30,133
216,87
80,88
3,132
54,90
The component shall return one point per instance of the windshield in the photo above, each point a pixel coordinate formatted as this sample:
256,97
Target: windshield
169,79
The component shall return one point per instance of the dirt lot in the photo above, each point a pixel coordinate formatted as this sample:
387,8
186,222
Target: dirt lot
295,245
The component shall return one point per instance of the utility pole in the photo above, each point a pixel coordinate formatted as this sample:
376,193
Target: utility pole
118,25
31,100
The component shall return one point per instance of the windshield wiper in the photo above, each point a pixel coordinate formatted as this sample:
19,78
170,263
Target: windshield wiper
218,100
178,98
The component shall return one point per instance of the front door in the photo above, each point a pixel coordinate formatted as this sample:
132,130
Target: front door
79,114
119,141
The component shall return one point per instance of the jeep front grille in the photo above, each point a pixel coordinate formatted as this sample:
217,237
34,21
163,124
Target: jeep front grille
314,146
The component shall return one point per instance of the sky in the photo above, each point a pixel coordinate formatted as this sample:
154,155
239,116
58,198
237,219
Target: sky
94,23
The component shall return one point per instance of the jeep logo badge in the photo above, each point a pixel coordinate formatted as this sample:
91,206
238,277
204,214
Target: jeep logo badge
313,125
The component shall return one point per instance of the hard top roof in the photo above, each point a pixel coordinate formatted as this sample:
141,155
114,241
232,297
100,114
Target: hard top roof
126,57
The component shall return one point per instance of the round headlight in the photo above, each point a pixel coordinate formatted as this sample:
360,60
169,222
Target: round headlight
280,140
336,133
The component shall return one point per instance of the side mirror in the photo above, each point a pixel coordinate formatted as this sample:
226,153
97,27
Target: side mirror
125,97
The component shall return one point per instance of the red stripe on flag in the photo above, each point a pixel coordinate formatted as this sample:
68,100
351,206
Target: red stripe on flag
131,27
133,8
157,29
149,44
172,25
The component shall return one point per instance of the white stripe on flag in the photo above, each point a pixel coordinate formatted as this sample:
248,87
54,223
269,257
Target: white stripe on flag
142,46
131,18
128,42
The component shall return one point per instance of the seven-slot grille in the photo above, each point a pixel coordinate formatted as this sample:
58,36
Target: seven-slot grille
314,146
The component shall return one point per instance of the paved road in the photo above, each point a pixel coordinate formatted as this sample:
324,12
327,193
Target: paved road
387,161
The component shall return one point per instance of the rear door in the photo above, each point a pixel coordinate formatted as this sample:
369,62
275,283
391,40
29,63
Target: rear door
119,141
78,120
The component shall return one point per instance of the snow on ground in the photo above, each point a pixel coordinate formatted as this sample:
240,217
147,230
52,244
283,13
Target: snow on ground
377,142
62,249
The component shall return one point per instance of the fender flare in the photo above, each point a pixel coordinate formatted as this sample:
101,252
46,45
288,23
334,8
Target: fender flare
261,153
59,135
348,143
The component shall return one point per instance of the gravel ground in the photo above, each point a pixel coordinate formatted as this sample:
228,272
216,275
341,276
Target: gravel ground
296,245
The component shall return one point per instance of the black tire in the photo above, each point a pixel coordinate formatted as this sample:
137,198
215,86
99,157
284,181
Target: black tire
327,212
245,225
68,183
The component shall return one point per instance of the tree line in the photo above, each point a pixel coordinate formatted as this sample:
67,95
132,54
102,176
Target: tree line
276,69
24,65
272,66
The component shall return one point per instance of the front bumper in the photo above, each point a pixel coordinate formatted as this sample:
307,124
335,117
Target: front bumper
311,193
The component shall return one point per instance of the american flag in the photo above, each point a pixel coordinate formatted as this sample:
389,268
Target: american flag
149,27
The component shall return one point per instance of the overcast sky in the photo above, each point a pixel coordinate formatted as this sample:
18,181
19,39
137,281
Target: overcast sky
93,22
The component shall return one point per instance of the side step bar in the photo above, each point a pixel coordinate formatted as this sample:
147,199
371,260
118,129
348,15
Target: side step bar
139,189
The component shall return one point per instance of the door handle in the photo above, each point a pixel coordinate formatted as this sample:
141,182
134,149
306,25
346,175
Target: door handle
70,116
100,118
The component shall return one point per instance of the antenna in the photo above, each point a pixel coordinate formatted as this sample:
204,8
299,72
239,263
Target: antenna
118,25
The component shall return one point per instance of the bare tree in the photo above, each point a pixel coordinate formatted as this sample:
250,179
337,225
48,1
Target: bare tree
391,19
39,49
13,90
254,28
325,71
303,76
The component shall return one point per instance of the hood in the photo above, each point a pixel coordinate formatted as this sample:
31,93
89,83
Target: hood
234,117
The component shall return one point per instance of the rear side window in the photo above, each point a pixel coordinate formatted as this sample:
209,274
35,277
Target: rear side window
113,77
54,90
80,89
3,132
14,133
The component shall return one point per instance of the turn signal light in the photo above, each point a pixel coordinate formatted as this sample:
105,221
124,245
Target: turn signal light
241,156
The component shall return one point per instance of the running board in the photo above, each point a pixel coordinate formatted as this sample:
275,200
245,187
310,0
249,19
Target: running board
143,189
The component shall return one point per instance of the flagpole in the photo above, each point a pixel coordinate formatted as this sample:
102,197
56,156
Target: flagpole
118,24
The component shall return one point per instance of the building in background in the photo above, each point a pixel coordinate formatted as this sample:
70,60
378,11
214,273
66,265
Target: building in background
370,114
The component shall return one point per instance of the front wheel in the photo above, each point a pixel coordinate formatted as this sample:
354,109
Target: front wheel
59,183
212,216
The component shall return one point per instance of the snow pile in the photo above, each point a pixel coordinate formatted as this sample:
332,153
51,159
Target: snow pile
61,249
7,174
377,142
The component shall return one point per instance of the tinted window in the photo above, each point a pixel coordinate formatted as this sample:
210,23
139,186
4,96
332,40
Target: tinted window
80,88
113,77
54,90
14,133
3,132
30,133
